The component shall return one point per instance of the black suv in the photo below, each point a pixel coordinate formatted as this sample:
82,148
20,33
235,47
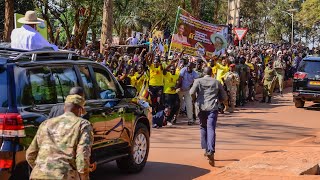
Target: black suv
31,83
306,83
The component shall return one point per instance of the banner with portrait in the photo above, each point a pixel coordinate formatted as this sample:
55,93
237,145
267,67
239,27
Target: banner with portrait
198,37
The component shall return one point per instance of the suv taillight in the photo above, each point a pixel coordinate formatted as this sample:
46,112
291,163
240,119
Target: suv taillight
11,125
300,75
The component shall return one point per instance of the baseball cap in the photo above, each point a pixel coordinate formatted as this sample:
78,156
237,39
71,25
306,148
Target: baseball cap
76,100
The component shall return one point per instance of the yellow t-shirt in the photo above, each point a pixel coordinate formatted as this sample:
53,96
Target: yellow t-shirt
214,69
166,48
266,60
139,82
133,80
169,82
221,71
156,76
250,66
177,71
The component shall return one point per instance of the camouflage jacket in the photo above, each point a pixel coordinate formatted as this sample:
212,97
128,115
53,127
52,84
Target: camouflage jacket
232,80
61,148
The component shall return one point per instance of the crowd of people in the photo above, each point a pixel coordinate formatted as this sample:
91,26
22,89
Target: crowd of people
172,83
165,79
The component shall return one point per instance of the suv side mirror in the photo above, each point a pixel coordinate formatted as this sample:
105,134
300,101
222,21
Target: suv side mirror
130,92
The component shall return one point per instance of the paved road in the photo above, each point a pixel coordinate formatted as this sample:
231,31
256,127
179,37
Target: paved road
175,152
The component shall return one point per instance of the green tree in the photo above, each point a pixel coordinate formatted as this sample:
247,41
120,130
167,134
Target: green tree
19,6
74,16
310,13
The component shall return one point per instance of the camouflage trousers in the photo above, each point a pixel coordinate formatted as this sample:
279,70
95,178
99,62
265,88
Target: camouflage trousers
280,79
233,95
268,87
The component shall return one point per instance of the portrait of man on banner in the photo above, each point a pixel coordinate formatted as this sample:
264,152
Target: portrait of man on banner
219,42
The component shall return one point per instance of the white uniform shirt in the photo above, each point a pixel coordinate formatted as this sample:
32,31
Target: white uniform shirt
134,41
27,38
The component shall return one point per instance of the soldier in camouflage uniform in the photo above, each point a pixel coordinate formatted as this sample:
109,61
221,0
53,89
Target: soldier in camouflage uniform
232,81
61,148
243,71
279,66
268,82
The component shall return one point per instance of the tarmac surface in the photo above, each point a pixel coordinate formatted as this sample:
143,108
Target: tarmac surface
175,151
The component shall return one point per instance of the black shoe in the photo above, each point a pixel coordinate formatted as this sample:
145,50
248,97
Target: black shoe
269,99
155,126
190,123
263,100
281,94
174,120
210,156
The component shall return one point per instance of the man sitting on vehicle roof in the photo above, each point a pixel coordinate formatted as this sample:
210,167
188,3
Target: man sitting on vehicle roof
27,37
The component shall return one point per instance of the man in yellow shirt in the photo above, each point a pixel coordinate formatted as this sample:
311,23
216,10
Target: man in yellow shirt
155,82
222,70
132,77
171,98
140,77
212,63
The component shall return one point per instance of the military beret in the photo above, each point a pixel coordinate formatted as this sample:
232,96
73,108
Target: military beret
232,65
75,99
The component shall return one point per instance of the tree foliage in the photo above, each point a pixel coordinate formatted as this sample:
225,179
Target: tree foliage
310,13
20,6
267,20
74,16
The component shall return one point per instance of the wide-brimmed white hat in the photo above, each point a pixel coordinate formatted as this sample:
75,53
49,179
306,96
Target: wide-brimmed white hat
30,18
279,52
220,36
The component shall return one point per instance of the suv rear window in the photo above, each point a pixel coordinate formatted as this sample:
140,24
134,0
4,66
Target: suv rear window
65,79
3,87
48,86
312,67
43,89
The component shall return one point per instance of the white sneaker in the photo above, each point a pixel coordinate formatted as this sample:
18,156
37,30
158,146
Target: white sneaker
169,124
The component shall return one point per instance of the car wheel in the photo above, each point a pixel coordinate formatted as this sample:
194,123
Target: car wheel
138,156
299,103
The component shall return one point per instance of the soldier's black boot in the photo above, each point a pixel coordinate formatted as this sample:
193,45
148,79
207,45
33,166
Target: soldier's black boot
269,99
263,100
281,94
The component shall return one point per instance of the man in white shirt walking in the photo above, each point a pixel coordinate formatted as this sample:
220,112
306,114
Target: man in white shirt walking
27,37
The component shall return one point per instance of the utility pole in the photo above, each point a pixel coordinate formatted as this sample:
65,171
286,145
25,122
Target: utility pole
290,13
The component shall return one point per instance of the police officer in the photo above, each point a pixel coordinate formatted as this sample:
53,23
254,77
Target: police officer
61,148
279,66
232,81
243,70
268,82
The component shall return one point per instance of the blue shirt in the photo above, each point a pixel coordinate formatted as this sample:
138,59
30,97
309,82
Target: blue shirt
187,78
158,118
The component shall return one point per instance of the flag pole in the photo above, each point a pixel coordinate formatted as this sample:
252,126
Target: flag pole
174,28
